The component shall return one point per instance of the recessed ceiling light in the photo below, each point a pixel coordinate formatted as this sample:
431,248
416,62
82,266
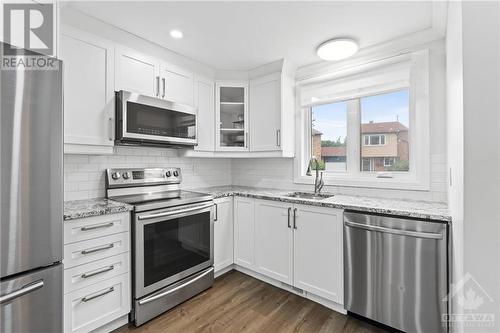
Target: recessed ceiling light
177,34
337,49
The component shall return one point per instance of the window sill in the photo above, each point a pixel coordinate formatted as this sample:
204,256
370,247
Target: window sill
406,183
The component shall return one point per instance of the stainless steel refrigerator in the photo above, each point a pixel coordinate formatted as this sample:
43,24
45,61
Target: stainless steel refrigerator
32,200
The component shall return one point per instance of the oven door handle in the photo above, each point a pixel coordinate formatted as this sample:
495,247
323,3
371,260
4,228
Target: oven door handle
168,292
175,212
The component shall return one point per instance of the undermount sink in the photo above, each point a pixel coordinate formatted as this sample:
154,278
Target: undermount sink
309,195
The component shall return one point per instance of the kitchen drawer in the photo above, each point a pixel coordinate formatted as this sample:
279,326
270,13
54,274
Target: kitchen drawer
96,305
96,271
94,249
96,226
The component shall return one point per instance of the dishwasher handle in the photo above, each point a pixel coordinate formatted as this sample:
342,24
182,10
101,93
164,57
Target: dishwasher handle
418,234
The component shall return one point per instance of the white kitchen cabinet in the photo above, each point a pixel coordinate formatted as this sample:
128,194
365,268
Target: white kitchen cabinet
176,84
318,251
265,113
244,232
97,291
204,101
89,103
231,116
223,233
274,240
136,72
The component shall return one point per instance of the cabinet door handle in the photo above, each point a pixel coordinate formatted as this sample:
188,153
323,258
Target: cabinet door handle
111,124
104,270
278,138
216,212
295,218
289,215
157,86
163,93
99,226
97,249
91,297
246,140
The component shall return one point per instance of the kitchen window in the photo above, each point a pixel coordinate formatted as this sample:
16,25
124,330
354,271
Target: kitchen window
370,128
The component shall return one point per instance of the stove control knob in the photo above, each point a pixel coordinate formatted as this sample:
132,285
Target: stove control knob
126,175
168,174
176,173
116,175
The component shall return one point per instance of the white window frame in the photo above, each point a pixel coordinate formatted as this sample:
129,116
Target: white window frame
369,137
367,80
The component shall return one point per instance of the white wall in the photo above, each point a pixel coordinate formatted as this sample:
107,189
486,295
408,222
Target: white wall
455,114
481,105
84,174
279,172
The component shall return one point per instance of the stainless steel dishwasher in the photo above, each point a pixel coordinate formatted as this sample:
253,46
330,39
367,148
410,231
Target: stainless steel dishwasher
396,271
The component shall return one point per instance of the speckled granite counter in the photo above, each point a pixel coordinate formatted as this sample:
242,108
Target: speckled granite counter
78,209
397,207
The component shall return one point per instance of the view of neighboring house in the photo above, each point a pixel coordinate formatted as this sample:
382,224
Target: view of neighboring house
384,147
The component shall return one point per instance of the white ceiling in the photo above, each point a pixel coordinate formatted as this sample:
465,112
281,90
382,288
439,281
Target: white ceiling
245,35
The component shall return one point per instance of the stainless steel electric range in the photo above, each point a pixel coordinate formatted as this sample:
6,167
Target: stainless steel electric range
172,238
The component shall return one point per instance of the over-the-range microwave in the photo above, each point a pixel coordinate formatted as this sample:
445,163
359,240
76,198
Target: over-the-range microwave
149,121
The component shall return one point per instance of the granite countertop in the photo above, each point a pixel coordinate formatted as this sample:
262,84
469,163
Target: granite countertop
397,207
77,209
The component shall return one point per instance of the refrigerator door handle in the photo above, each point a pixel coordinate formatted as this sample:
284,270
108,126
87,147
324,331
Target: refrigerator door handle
21,291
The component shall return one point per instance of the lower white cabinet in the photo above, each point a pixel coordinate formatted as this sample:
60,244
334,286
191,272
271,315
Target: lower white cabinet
244,232
274,240
94,306
223,233
300,245
96,271
318,251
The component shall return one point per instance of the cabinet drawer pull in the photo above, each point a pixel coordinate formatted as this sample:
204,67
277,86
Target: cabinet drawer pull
91,297
104,270
97,249
99,226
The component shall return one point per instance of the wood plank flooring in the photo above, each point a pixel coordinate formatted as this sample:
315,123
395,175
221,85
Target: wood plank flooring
240,303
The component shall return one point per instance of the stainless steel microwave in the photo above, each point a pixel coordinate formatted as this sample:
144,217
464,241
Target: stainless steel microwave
145,120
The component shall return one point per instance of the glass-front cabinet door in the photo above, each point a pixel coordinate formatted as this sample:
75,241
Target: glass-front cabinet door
232,116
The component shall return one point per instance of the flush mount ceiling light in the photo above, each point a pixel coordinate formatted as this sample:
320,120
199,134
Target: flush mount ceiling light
177,34
337,49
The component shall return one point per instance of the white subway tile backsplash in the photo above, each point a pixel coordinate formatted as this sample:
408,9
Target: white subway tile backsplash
84,175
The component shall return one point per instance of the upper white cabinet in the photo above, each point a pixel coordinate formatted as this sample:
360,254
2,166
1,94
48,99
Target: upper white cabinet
204,102
137,72
147,75
318,251
272,114
176,84
223,233
231,116
88,92
244,232
265,117
274,240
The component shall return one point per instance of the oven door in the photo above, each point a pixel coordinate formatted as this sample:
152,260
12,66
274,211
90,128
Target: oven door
146,119
171,244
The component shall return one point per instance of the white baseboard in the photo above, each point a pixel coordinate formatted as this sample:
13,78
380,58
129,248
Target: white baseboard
323,301
222,271
113,325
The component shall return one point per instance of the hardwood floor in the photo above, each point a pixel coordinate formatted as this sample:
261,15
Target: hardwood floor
240,303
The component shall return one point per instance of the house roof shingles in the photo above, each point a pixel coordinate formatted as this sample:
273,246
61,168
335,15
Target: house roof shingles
384,127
